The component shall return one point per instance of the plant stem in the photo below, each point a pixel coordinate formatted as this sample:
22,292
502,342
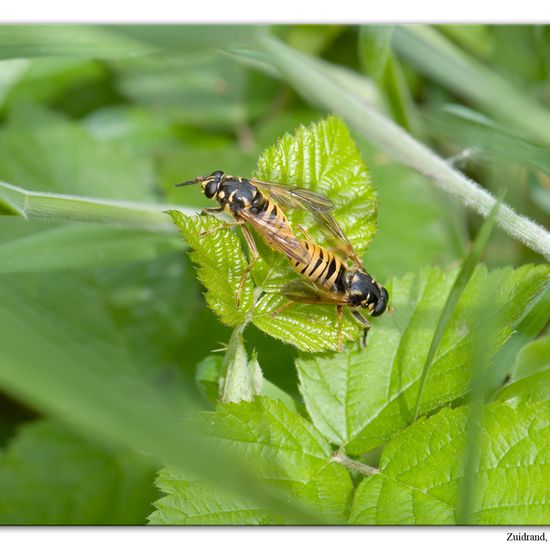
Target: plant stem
314,82
354,465
33,204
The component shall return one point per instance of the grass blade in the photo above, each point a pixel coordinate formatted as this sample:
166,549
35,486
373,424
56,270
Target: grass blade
468,266
432,54
33,204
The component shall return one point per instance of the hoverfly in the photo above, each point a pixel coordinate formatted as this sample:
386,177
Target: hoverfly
328,278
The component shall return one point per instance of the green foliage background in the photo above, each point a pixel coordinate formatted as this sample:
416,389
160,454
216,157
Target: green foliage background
111,410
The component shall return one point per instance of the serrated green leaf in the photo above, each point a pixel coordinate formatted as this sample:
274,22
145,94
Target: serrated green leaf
358,399
310,328
322,157
281,448
467,268
193,502
51,476
531,376
221,264
421,468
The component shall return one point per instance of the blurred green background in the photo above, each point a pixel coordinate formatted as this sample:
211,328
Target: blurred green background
126,115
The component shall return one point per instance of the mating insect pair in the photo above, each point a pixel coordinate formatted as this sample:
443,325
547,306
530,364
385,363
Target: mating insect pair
328,279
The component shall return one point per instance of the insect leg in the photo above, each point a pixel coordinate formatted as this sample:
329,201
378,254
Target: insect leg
340,312
282,308
303,231
365,323
224,225
209,211
255,256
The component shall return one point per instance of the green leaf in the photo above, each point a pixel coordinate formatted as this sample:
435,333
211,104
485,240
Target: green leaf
189,38
379,63
60,207
359,399
487,140
61,354
221,264
43,151
312,38
207,378
375,48
54,247
531,376
242,378
51,476
10,73
469,264
208,90
113,41
282,448
322,157
24,41
313,80
194,502
407,200
421,468
433,54
152,305
48,80
478,39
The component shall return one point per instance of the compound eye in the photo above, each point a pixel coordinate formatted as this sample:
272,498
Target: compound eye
211,188
216,174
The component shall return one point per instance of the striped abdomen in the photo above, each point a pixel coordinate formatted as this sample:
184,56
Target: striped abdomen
273,226
274,219
322,267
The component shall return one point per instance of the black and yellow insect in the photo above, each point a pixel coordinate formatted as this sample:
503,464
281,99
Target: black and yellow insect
328,279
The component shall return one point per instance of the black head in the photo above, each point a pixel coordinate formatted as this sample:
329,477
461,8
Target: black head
209,184
366,293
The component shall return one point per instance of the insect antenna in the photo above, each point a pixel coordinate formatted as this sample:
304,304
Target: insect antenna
186,183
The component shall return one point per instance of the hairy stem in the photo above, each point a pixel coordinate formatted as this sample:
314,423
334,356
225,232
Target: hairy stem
341,458
32,204
313,81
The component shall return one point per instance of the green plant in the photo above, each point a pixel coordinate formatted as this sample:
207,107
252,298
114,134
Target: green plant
114,407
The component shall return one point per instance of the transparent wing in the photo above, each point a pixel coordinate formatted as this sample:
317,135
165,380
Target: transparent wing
295,197
282,240
319,206
305,292
336,236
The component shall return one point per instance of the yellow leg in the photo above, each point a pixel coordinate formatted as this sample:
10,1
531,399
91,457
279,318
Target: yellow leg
340,312
303,231
223,225
255,257
282,308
